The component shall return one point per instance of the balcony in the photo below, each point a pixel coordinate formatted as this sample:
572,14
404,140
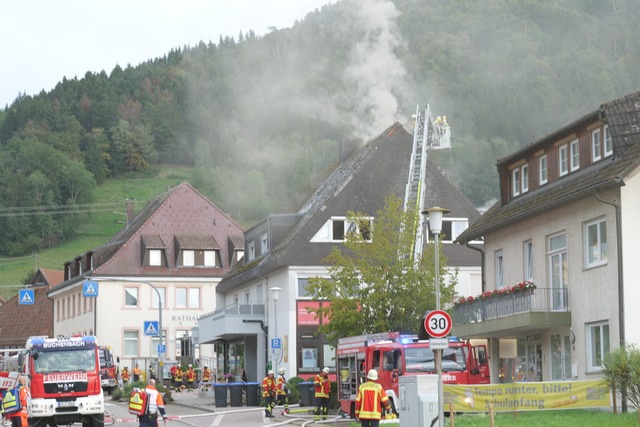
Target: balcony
234,319
512,314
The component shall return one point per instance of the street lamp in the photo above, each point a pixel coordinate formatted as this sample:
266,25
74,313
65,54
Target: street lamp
275,294
435,225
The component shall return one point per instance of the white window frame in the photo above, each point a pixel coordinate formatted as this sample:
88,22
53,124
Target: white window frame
499,272
264,243
525,178
515,179
131,340
598,345
155,257
544,169
595,252
188,297
188,258
134,291
154,297
252,250
326,232
596,145
563,159
574,150
558,267
527,251
608,141
209,258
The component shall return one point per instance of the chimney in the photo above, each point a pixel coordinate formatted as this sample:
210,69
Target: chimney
129,208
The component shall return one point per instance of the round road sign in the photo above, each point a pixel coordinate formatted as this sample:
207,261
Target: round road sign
438,323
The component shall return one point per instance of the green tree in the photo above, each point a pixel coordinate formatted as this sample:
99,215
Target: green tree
375,283
621,371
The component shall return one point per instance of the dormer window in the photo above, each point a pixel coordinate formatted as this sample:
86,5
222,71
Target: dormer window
155,257
608,143
596,145
264,244
520,180
153,251
544,170
251,249
338,229
574,148
563,159
197,251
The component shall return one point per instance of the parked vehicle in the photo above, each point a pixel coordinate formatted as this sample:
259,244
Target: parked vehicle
108,369
393,355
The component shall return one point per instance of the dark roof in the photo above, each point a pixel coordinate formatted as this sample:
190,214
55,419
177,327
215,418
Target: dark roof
359,184
623,118
181,213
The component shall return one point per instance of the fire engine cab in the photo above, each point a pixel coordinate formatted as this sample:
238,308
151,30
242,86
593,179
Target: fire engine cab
393,355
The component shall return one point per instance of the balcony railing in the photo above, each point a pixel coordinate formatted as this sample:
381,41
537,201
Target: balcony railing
539,299
237,310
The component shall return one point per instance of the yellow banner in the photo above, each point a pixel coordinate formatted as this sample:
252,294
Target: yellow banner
527,396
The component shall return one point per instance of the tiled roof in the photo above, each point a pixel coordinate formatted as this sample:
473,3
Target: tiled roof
197,242
52,277
623,118
19,322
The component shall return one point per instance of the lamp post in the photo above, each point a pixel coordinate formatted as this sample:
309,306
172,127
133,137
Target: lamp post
435,225
275,293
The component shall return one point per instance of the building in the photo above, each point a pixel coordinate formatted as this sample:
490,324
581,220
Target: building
265,297
567,221
176,250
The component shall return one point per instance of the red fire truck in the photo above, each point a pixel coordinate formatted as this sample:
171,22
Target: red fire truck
108,376
393,355
64,380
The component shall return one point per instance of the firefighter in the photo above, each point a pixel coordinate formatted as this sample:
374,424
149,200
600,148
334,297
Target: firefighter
269,394
156,406
125,376
282,391
206,378
370,400
322,387
177,378
136,373
190,376
20,418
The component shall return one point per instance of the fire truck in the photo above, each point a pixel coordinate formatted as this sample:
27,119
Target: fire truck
64,380
108,375
393,354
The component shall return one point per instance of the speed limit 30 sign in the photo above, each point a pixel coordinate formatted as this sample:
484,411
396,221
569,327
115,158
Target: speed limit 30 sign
438,323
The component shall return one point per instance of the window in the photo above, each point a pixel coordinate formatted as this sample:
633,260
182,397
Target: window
337,229
188,258
563,159
130,297
574,147
451,229
528,260
543,170
130,343
187,297
596,149
595,239
558,270
525,178
608,143
155,257
598,342
252,251
499,270
264,244
212,259
516,182
154,297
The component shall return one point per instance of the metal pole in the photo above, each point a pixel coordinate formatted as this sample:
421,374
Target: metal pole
275,332
438,352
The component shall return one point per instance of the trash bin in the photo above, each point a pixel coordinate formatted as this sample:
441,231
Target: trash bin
252,394
235,393
220,394
307,393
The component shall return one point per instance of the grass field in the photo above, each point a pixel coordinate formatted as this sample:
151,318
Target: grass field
96,228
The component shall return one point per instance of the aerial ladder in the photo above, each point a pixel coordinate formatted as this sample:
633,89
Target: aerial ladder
427,135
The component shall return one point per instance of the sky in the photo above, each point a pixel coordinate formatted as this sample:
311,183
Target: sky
46,40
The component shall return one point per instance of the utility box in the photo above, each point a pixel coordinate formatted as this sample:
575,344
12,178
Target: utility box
418,400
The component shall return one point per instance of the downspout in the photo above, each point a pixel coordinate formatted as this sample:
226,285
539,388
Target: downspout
620,269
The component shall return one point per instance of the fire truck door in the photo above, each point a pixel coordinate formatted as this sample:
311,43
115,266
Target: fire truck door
479,367
389,372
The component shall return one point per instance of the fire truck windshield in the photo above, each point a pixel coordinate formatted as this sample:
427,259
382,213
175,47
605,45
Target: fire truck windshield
65,361
420,359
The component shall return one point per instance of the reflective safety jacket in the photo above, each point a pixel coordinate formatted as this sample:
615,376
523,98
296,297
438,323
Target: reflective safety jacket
322,386
370,400
190,374
281,386
268,386
206,375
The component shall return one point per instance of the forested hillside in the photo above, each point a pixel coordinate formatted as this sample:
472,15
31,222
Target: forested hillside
258,117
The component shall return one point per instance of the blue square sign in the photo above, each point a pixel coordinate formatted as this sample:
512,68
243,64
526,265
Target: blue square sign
275,343
26,297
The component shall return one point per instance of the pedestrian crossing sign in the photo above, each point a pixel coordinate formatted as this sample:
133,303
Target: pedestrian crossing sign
26,297
90,289
151,329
